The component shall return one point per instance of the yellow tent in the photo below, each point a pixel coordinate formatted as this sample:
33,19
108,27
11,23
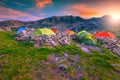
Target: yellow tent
44,31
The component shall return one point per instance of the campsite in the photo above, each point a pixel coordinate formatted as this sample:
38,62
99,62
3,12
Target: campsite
59,39
45,53
53,37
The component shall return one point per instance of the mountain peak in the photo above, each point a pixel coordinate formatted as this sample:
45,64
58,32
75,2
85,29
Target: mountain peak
106,17
75,23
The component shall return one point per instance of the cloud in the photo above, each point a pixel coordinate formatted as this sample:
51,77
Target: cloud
2,2
18,3
43,3
7,13
82,10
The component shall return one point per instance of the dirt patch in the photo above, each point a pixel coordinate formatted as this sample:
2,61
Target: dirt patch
59,67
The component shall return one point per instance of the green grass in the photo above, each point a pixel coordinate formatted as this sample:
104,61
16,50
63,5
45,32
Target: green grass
20,59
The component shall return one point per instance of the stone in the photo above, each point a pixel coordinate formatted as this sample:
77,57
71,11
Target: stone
60,38
62,66
53,40
111,44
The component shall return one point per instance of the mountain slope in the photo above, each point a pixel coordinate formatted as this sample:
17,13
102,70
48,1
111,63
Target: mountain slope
75,23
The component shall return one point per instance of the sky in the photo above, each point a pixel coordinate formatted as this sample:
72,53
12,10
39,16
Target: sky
31,10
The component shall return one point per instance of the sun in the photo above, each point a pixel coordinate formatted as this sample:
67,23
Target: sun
115,18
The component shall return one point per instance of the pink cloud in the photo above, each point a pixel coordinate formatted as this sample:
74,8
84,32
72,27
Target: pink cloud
82,10
43,3
7,13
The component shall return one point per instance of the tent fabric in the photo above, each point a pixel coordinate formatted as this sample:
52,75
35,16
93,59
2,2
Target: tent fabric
82,34
44,31
70,32
21,29
86,38
54,30
104,35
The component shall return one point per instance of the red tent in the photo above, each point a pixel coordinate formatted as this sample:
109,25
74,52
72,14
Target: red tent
54,30
105,35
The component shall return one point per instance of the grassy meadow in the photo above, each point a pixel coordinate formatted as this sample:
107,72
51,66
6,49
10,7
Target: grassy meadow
21,61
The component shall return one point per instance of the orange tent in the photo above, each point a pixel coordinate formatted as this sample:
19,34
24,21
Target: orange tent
105,35
54,30
70,32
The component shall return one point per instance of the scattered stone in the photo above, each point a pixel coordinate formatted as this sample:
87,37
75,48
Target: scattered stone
116,64
57,59
85,49
6,28
66,55
112,44
1,56
61,38
79,67
88,48
25,35
62,66
52,40
1,29
76,58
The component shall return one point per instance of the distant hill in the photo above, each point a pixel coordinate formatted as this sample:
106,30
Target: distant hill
75,23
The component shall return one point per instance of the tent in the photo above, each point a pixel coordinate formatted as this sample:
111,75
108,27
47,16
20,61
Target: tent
44,31
70,32
21,29
54,30
86,38
104,35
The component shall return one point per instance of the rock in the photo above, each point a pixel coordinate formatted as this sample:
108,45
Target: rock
66,55
6,28
111,44
79,67
52,40
116,64
62,66
57,59
1,29
25,35
2,56
85,49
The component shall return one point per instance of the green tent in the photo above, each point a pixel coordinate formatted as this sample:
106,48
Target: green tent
44,31
86,38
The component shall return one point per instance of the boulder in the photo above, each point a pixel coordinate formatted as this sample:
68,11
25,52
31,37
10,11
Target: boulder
52,40
111,44
60,38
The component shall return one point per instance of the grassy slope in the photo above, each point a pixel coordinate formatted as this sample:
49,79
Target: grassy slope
18,59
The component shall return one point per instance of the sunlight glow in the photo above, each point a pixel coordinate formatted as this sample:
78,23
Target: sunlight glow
115,18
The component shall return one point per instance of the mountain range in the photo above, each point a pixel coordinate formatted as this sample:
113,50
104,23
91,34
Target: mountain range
75,23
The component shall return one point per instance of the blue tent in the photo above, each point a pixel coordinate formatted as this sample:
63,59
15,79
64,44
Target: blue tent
21,29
